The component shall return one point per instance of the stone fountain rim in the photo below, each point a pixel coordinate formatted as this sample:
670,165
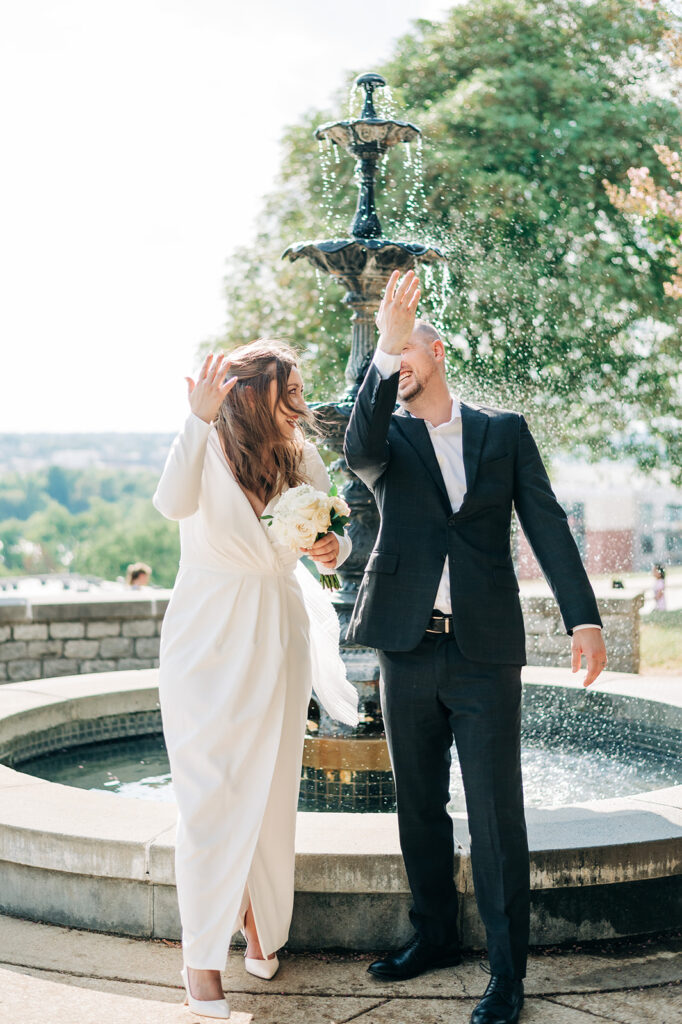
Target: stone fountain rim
64,829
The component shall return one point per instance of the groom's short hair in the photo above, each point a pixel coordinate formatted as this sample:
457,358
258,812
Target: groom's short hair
427,330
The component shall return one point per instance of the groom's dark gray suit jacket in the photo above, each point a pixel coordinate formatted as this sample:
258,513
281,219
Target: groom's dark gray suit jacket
392,454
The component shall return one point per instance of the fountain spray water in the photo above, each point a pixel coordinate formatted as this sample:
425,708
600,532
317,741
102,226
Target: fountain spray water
363,262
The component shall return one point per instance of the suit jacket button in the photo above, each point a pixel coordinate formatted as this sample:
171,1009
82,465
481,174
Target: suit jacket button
451,521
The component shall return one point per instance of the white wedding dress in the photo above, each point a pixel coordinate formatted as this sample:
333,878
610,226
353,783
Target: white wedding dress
246,634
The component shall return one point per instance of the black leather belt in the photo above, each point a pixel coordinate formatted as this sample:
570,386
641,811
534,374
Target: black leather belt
439,623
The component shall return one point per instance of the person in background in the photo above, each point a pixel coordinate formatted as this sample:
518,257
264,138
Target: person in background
138,575
659,587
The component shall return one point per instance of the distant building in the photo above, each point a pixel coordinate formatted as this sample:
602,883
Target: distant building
622,520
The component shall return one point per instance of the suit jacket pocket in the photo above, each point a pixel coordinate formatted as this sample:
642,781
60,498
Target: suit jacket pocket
382,561
505,577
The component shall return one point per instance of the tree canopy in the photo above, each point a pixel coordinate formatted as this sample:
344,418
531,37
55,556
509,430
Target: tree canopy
554,303
84,521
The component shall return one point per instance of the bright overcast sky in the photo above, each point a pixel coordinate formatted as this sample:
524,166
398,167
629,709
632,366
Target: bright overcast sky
138,139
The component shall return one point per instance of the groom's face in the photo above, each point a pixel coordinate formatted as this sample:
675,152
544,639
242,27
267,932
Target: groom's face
418,365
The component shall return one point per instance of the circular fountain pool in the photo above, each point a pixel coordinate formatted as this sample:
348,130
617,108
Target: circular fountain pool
599,867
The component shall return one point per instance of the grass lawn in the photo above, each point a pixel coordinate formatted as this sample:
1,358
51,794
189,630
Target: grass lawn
661,643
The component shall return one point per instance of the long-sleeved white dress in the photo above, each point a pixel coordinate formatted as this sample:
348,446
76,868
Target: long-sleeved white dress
247,632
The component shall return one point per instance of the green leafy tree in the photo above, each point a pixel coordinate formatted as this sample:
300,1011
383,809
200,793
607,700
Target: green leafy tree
21,496
54,534
554,303
11,553
59,485
111,542
658,211
101,522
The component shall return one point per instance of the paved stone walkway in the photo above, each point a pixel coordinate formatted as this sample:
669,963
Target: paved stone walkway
51,975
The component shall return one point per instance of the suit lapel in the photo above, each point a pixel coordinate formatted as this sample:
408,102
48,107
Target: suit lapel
474,426
417,434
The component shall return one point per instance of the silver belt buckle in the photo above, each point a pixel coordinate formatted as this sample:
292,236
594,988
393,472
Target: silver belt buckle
445,619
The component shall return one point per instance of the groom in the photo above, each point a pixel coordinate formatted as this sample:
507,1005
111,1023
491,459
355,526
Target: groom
439,600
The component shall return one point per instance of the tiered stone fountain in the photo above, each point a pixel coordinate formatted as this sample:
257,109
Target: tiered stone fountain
354,765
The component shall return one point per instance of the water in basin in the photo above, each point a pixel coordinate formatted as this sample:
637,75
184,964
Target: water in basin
564,761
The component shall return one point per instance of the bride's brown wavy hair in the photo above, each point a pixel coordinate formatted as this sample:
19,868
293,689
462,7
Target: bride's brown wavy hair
263,459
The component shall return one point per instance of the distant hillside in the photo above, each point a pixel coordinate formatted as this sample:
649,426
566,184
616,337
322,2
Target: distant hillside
24,453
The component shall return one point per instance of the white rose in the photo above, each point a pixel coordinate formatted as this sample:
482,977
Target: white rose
300,515
340,506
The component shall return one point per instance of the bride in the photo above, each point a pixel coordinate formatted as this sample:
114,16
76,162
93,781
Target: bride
247,633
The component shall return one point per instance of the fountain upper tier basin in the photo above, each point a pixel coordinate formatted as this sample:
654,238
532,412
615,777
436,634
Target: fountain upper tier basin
599,868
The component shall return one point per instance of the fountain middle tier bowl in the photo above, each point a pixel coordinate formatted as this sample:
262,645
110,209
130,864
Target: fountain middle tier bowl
364,265
368,136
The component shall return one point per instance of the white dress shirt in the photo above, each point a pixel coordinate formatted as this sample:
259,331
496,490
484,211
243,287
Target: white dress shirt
446,439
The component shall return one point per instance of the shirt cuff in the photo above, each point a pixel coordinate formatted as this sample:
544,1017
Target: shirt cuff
386,363
345,547
586,625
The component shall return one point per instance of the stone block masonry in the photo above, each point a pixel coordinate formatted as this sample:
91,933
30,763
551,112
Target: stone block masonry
42,639
548,644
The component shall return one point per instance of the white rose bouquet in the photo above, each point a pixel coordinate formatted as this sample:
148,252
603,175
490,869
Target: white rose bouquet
303,515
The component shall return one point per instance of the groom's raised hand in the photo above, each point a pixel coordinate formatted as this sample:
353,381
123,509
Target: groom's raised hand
398,311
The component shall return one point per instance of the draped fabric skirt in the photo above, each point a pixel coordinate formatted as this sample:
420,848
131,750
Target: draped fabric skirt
235,682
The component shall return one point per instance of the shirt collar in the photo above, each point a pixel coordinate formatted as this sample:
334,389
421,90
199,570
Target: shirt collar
455,417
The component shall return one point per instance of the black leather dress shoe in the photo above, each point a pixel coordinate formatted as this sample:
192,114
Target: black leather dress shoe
501,1002
415,958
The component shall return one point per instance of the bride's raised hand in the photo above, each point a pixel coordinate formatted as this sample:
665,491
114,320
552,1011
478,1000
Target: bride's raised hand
206,395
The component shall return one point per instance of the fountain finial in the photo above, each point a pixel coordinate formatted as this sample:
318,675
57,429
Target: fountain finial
369,82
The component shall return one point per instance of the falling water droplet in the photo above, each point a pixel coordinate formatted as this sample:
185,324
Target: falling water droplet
444,289
352,95
388,106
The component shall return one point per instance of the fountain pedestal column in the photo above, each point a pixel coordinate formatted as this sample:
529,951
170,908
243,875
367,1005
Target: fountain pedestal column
363,340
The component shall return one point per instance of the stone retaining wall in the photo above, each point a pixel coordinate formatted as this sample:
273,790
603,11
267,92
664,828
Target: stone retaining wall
41,639
547,643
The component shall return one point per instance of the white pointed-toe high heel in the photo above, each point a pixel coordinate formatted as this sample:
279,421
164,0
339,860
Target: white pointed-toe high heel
205,1007
265,969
